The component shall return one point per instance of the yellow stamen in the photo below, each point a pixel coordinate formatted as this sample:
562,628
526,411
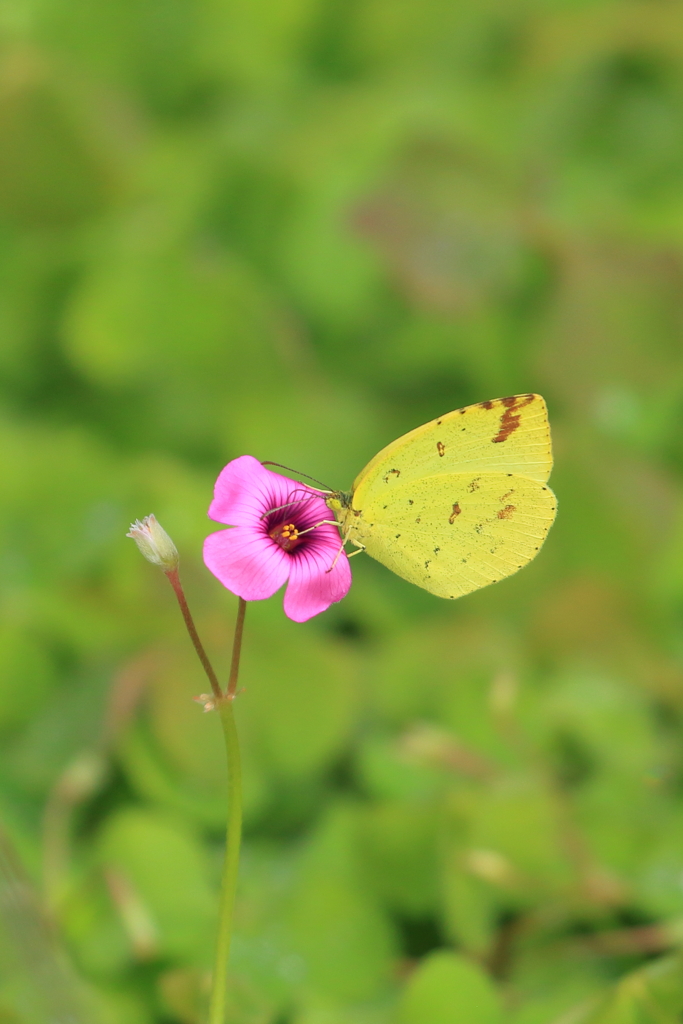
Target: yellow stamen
287,536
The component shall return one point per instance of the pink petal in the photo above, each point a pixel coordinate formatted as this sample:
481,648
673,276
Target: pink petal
312,588
248,563
245,490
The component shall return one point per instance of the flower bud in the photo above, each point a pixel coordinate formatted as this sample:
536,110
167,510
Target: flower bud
154,543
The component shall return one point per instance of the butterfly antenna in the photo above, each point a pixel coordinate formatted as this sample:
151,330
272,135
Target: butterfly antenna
295,501
299,473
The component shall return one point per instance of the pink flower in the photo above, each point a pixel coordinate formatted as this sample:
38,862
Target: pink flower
269,543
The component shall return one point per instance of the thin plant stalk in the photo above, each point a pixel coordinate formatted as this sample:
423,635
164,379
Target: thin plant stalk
234,831
174,579
230,863
236,649
224,703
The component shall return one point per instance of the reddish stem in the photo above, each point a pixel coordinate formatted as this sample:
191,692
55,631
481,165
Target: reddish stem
174,580
236,649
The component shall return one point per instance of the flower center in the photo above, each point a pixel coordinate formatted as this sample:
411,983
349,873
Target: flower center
286,535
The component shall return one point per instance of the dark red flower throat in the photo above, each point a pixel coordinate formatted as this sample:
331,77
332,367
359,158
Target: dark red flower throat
286,535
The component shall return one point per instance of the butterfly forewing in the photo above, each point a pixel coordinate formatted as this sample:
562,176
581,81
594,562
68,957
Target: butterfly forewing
505,435
454,533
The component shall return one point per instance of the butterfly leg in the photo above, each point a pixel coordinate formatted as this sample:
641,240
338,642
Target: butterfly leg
345,539
323,522
336,557
360,549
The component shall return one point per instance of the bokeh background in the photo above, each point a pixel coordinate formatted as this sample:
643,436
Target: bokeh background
296,229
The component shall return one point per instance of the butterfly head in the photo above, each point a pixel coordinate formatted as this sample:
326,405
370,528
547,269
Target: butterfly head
339,500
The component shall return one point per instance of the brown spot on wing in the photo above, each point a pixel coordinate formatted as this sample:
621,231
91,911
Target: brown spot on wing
474,485
504,497
395,472
506,513
441,448
455,513
486,405
510,419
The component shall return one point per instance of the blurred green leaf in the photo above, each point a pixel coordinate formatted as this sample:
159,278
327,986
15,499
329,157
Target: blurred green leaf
342,941
53,171
447,987
653,994
401,840
161,868
302,695
27,674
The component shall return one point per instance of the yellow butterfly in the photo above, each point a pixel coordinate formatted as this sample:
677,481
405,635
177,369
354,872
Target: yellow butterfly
460,502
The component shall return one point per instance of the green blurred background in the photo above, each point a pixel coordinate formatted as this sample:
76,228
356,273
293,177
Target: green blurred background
296,229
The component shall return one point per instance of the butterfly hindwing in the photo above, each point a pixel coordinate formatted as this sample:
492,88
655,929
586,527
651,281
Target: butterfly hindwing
453,533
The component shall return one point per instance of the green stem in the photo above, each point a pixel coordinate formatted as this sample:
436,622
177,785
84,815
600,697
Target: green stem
232,847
